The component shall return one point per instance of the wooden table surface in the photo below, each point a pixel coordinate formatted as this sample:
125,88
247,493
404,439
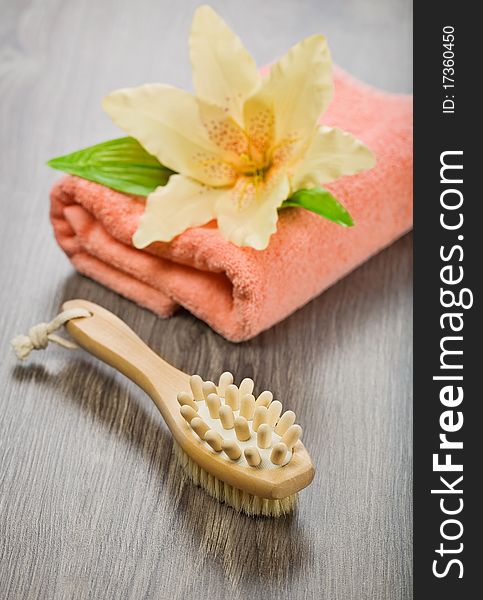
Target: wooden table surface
91,505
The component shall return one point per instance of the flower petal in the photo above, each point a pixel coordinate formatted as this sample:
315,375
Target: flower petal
297,90
331,154
168,122
247,214
224,132
173,208
224,72
259,120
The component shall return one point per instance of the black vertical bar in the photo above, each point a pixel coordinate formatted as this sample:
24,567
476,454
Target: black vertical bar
448,246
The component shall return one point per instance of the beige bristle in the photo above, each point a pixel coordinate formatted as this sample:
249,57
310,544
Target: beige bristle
253,456
264,398
223,492
259,417
274,411
214,439
285,421
188,412
199,427
264,436
231,449
208,388
225,380
226,417
196,384
241,429
292,435
232,396
213,403
186,399
246,386
279,452
247,406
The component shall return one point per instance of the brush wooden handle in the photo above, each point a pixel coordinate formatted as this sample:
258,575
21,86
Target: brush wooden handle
108,338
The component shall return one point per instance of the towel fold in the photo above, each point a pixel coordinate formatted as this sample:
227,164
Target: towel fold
240,291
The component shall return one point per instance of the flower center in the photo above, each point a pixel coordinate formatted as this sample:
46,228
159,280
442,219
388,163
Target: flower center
253,169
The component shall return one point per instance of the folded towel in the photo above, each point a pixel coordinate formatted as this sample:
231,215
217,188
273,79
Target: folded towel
240,291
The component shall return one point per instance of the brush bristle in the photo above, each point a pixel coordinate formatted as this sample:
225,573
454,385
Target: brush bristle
238,499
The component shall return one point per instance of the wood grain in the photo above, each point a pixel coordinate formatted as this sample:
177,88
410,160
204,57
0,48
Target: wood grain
91,505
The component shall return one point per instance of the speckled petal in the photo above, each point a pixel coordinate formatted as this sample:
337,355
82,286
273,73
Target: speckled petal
297,90
169,123
247,214
224,72
224,132
259,119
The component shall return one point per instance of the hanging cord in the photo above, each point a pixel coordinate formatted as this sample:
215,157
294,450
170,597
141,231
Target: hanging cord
40,335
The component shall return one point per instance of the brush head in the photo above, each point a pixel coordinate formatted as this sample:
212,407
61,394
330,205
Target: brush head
253,438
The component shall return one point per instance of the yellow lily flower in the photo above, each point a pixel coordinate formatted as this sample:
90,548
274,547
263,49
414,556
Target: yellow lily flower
243,143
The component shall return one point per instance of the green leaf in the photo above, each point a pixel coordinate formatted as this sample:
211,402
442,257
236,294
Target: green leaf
321,202
121,164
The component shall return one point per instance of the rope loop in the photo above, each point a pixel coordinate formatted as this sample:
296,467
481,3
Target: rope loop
41,334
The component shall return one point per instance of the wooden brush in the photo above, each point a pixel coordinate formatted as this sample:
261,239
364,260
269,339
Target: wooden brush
241,450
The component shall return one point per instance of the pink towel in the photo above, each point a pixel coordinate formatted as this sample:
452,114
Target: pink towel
240,291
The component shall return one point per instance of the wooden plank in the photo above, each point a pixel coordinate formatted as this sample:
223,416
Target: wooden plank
91,505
